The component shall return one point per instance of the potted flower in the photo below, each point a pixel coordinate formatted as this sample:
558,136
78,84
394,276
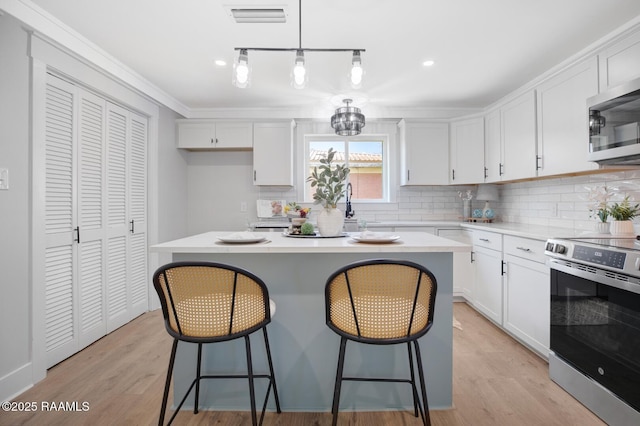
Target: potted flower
622,214
329,183
600,209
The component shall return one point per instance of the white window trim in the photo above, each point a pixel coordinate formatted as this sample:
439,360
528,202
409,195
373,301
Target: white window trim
307,131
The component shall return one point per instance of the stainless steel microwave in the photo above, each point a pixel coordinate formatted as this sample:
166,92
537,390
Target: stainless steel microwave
614,125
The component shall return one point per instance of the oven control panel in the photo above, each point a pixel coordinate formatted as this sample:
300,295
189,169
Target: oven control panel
600,256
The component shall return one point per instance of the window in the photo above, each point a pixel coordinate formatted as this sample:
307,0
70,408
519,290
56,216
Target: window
366,157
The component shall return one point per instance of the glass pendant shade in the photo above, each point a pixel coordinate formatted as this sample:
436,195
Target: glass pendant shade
299,75
356,70
242,71
348,120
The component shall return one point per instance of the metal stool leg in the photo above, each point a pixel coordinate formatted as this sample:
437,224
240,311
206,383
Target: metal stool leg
426,418
252,394
413,381
198,374
167,383
338,385
273,376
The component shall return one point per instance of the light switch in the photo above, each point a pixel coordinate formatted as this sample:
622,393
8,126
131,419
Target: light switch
4,178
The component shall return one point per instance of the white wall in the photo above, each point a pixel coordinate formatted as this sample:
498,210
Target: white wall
172,181
15,313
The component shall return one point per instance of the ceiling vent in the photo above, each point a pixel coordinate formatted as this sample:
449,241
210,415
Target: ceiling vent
257,15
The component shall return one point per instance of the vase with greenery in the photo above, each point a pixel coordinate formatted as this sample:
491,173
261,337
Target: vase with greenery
622,214
600,209
329,181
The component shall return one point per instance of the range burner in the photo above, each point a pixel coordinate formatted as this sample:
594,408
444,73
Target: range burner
627,243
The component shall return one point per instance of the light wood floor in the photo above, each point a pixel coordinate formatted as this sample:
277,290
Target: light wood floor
496,381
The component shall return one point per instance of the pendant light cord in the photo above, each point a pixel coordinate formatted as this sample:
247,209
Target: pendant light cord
300,24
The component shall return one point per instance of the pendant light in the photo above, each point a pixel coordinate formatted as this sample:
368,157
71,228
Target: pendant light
299,74
356,70
242,71
348,120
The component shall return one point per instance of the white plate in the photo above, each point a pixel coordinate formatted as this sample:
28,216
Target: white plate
382,239
241,238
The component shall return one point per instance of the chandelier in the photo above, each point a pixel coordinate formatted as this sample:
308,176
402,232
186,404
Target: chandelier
299,75
348,120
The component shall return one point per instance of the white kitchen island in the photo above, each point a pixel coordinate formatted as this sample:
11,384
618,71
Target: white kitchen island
305,351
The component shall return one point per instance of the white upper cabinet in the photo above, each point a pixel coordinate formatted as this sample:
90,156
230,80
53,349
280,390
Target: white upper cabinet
563,135
467,151
424,153
620,62
510,140
492,147
208,134
518,132
273,154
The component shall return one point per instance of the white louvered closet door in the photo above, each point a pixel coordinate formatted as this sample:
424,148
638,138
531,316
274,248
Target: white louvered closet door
95,218
127,277
138,274
117,216
91,223
60,201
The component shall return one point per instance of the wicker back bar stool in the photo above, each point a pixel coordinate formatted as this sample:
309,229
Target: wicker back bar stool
205,302
381,302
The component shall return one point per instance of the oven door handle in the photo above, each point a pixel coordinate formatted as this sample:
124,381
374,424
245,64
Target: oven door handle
564,266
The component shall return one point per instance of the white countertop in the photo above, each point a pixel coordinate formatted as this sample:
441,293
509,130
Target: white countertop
278,243
413,223
538,232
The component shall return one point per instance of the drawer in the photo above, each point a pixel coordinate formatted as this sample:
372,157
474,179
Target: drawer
487,239
525,248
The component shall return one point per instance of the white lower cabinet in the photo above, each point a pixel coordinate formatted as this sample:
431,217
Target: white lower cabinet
487,294
526,293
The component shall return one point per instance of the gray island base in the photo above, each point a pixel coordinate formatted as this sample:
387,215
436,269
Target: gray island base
305,351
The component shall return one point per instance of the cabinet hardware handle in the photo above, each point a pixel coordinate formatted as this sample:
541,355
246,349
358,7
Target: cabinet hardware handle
538,159
77,238
254,175
472,259
216,141
502,264
500,169
132,227
453,174
486,240
486,172
408,175
524,249
212,140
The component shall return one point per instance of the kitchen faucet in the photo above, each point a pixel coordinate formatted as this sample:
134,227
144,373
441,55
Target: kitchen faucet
348,212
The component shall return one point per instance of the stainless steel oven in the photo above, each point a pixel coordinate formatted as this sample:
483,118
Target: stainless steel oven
595,324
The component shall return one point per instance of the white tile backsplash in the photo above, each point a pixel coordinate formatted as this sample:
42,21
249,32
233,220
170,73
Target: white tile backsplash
564,201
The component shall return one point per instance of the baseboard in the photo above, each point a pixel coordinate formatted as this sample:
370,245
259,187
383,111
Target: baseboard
16,382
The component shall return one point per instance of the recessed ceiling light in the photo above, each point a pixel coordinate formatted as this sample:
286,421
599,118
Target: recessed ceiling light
220,62
428,63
